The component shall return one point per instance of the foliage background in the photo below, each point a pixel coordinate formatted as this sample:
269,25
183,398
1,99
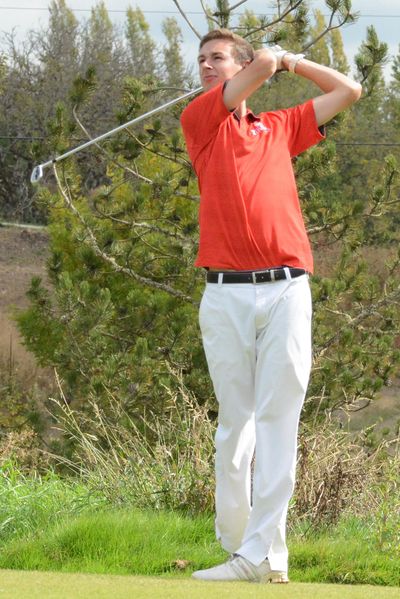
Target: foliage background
117,319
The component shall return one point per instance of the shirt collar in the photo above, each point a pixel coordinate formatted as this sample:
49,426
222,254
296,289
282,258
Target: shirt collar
250,116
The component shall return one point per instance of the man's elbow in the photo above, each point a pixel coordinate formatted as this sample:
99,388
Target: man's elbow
353,92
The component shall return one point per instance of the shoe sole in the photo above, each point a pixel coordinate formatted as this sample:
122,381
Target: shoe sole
274,579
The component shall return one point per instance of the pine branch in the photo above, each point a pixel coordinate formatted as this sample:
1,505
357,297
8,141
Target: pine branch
353,323
109,156
151,228
136,174
180,161
278,20
92,241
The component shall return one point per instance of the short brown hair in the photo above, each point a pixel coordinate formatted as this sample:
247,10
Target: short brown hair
241,49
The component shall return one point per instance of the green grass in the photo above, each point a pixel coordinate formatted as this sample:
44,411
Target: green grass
28,503
149,543
118,542
54,524
46,585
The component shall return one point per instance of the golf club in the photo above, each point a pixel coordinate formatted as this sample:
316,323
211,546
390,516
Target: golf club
37,172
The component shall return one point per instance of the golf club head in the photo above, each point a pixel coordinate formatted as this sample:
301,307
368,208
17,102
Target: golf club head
37,174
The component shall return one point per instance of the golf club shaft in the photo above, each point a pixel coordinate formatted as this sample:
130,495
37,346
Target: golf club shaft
116,130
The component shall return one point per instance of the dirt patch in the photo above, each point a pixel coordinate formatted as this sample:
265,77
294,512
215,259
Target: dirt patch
23,255
383,413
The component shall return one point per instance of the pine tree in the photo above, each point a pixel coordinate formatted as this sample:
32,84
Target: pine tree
103,66
40,73
58,51
174,74
392,106
319,52
363,168
141,46
339,59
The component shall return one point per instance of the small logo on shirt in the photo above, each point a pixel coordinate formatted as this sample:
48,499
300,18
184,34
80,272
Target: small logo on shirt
258,128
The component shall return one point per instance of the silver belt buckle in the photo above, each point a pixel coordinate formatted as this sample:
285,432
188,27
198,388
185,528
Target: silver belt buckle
287,273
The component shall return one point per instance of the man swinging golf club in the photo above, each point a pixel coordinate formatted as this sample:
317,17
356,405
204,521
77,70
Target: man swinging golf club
255,314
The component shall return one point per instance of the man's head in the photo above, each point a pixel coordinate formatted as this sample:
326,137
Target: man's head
222,54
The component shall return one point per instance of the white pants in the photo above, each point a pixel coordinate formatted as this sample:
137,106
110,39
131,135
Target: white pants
257,340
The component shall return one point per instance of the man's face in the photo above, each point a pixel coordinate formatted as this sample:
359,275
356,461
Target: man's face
216,63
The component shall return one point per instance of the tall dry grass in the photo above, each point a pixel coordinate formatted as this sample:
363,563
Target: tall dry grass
340,472
168,463
156,462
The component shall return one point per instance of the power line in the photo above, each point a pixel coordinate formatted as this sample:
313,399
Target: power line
28,139
362,143
173,12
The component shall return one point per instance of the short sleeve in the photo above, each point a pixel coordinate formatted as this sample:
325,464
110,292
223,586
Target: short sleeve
201,119
302,128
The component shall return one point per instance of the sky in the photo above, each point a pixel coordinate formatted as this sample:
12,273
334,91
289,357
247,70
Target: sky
22,15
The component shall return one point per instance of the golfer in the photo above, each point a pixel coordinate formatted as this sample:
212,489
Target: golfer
255,313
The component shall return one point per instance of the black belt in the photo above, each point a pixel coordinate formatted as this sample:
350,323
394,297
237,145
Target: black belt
255,276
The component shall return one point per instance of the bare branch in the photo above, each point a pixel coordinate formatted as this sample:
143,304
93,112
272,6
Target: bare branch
187,20
180,194
328,29
231,8
208,15
154,229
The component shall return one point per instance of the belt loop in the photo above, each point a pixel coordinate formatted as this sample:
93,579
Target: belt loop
287,273
272,274
220,279
253,276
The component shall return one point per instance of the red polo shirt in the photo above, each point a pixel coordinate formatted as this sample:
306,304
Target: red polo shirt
250,215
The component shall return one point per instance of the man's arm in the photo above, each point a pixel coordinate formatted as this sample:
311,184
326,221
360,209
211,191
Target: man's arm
250,78
339,91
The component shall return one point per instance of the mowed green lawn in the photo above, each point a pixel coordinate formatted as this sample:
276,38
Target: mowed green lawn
15,584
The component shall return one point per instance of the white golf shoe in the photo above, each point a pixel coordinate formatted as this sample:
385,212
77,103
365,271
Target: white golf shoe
239,568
